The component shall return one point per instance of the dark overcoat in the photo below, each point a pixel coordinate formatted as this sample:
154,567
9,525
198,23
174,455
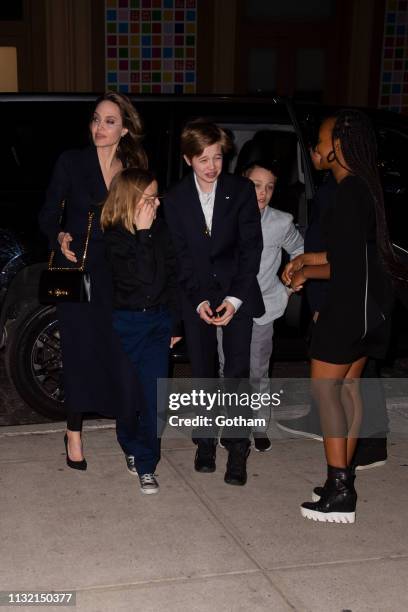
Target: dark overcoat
97,375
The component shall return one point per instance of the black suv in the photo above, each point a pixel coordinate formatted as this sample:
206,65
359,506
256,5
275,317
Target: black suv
39,127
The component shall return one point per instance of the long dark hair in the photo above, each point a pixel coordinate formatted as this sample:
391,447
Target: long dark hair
130,150
359,147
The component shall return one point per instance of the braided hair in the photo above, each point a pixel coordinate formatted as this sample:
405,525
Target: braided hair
359,147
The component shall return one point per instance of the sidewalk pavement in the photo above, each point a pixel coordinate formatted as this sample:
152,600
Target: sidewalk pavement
199,545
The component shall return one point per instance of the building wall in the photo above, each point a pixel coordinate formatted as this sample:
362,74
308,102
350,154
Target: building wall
202,46
394,69
68,38
22,27
151,46
337,55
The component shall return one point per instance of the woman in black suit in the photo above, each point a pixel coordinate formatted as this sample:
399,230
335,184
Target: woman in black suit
97,376
354,323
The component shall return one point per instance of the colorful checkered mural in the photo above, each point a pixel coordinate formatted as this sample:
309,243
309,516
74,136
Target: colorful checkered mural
394,73
151,46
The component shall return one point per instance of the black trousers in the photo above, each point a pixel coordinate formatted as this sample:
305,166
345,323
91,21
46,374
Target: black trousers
201,339
74,421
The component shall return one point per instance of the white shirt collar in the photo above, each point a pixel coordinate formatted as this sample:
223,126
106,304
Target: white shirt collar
203,193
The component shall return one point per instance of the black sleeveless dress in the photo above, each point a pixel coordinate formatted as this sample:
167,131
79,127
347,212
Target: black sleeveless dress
356,319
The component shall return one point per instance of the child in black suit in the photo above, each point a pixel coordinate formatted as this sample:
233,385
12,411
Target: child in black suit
216,227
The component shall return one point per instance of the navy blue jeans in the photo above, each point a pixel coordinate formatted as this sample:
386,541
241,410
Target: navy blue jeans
145,337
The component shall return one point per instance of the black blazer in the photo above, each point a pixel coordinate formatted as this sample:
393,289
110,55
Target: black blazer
78,180
227,262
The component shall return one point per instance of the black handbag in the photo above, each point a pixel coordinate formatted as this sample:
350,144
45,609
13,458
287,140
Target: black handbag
59,285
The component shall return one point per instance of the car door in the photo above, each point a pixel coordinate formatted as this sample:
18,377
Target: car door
393,164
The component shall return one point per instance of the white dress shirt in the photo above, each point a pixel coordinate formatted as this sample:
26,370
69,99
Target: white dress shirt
207,205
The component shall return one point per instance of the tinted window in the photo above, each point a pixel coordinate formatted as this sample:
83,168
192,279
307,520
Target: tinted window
243,120
392,153
36,133
393,164
259,131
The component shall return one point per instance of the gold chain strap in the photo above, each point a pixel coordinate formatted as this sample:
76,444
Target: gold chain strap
81,267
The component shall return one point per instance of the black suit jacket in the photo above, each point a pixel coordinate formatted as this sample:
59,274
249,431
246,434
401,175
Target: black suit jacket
227,262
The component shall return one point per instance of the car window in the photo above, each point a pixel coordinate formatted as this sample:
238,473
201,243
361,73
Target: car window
261,133
392,155
36,133
393,165
156,139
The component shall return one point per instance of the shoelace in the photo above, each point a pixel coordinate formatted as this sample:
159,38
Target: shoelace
131,460
147,479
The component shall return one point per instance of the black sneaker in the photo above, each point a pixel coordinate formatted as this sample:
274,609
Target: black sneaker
236,473
130,462
370,453
148,484
204,461
303,426
262,443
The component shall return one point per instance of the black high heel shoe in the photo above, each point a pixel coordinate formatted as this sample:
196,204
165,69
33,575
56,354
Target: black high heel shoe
75,465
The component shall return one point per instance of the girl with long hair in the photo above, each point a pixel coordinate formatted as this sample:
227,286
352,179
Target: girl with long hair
145,307
355,321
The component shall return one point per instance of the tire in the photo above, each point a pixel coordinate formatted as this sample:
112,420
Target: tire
33,361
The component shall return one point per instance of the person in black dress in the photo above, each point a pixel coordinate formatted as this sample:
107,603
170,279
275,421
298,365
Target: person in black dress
146,315
354,323
97,374
371,449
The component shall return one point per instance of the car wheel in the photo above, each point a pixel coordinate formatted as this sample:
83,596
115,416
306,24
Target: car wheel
33,361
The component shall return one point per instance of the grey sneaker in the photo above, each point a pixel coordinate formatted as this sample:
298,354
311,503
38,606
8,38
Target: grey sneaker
130,462
148,484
